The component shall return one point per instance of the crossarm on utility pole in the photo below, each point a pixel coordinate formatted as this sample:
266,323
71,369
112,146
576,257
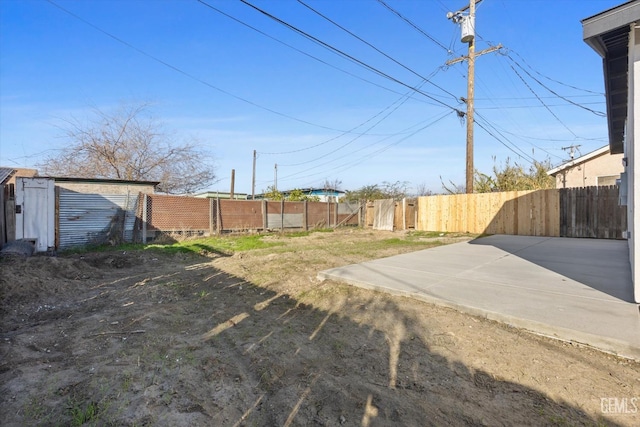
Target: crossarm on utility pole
482,52
467,7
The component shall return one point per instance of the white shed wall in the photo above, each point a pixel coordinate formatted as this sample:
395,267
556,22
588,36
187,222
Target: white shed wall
35,199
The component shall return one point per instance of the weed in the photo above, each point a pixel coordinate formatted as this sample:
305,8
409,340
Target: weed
127,379
308,232
34,409
80,416
172,284
425,234
222,245
167,398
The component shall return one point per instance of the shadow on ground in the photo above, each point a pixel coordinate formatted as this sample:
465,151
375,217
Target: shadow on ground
171,341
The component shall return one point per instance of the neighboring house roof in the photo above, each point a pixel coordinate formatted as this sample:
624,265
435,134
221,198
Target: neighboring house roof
98,180
319,191
15,173
608,34
5,174
309,191
220,194
579,160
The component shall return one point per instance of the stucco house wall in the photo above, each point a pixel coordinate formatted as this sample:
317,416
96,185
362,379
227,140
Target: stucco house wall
600,169
615,36
633,156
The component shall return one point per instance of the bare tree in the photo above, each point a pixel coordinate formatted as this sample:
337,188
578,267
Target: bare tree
387,190
130,144
453,188
334,184
422,189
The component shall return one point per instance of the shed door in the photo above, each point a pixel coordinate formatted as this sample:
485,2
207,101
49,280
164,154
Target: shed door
35,211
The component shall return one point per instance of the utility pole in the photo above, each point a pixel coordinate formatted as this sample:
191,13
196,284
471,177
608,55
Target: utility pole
572,149
468,24
253,177
233,183
275,177
470,82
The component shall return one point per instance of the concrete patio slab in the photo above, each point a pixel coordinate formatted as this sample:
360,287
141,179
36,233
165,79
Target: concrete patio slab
577,290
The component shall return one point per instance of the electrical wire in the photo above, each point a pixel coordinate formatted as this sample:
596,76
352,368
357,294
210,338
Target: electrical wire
392,108
496,127
208,5
350,154
188,75
528,106
421,31
542,102
350,163
597,113
343,134
553,80
376,49
519,151
506,53
324,62
347,56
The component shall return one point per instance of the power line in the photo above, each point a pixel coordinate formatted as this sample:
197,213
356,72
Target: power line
528,106
405,97
399,15
518,98
306,54
350,154
204,3
347,56
602,139
350,163
188,75
521,153
496,127
597,113
398,103
554,80
376,49
541,101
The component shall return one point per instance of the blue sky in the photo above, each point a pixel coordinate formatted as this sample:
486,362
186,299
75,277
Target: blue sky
237,81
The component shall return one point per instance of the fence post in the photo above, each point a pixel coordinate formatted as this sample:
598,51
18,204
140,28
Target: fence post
265,220
328,213
305,220
282,215
218,217
212,227
145,198
404,213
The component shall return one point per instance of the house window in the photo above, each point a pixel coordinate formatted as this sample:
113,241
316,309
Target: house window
607,180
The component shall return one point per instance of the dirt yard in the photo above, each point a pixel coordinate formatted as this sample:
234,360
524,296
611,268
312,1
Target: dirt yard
144,337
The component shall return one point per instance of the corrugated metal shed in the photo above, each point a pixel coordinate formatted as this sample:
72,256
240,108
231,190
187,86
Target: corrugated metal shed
94,218
5,174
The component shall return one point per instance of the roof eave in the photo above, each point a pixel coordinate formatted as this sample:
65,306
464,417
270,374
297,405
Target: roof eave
608,34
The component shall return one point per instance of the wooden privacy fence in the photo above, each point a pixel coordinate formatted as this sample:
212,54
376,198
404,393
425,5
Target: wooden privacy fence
573,212
390,215
592,212
528,213
162,214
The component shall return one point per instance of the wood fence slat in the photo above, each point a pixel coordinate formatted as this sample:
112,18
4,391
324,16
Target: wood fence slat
573,212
